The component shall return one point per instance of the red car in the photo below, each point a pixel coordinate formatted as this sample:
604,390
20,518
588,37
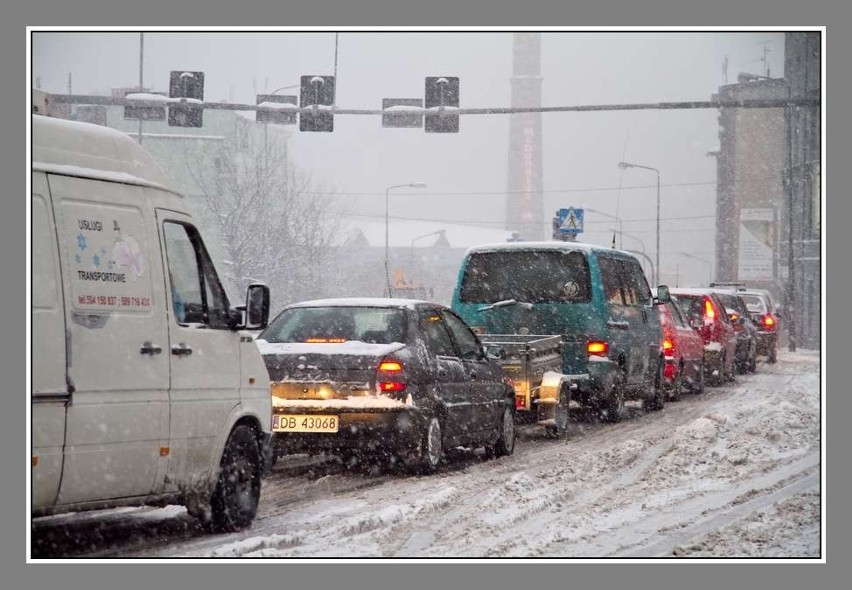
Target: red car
705,311
683,350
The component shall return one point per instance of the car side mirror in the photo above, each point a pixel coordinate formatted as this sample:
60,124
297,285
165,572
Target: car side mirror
663,295
495,353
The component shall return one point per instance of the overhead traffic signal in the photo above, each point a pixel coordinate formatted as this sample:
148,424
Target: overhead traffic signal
317,92
280,116
442,96
190,86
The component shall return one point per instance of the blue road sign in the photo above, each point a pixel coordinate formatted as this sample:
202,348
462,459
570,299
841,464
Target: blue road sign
570,220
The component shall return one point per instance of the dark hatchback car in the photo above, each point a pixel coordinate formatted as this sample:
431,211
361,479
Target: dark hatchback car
384,379
747,334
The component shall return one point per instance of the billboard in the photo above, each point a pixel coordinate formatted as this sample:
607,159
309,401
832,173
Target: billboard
757,244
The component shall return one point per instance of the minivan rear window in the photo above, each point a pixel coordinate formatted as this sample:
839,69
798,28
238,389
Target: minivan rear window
529,276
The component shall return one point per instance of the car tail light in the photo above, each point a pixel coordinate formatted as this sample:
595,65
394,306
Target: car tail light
709,313
668,346
768,322
390,376
597,348
669,371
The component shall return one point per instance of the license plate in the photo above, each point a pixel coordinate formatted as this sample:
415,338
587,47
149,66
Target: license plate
304,423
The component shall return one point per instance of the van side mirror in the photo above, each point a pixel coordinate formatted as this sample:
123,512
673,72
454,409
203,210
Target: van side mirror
257,306
663,295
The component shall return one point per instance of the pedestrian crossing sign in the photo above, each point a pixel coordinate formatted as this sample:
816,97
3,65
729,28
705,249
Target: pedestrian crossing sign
570,220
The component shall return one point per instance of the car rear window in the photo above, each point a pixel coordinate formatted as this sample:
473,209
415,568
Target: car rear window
754,303
692,306
379,325
530,276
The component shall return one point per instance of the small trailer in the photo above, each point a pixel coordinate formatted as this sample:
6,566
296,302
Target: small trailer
533,364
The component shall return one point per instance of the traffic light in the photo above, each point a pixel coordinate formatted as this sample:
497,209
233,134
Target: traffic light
317,92
441,91
280,117
189,85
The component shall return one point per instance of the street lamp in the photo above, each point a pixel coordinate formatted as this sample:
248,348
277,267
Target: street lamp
387,225
625,165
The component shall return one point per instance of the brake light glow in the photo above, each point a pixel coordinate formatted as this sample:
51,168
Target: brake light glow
668,345
768,322
390,376
597,347
390,367
325,340
709,314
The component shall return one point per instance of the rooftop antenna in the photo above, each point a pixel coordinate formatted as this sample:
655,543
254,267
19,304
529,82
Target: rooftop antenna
766,52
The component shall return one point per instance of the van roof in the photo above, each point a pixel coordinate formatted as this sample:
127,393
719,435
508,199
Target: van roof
552,245
86,150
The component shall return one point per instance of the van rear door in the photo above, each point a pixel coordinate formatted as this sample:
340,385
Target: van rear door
49,388
118,365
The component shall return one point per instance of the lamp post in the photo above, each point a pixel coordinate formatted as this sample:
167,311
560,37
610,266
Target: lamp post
387,224
623,166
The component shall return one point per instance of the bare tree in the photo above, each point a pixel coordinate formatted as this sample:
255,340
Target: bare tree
273,222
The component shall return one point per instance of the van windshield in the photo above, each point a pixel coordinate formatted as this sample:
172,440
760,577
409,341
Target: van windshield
529,276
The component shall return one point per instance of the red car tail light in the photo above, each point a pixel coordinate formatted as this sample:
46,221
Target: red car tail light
768,322
709,312
669,371
668,347
390,376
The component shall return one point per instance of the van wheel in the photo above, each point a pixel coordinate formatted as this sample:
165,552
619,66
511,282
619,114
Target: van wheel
505,442
658,401
234,502
613,408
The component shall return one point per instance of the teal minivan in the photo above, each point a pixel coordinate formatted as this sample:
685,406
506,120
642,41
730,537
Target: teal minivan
597,299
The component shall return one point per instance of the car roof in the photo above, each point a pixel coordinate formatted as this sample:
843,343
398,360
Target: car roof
544,245
362,302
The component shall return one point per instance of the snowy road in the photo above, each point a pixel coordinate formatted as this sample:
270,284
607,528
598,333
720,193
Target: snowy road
734,472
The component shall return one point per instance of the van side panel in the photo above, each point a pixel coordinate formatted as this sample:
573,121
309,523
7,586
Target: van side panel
49,389
118,414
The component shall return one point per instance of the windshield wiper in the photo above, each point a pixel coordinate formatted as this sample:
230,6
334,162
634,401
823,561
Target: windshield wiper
504,303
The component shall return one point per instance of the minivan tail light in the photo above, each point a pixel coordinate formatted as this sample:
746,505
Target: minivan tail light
597,348
390,376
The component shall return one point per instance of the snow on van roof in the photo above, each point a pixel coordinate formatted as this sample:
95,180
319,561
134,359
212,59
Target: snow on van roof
358,302
92,151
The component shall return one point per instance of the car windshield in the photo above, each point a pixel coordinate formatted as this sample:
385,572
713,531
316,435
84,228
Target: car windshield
334,324
530,276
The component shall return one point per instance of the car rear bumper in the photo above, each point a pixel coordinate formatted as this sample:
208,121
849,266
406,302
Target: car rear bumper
379,431
766,342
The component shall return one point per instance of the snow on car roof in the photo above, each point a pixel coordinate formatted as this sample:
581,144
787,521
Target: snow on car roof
358,302
690,290
543,245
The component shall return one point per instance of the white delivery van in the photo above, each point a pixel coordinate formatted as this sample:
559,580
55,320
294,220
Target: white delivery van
147,387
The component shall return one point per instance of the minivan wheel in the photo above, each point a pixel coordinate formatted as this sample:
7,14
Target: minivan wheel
235,499
505,442
658,401
613,408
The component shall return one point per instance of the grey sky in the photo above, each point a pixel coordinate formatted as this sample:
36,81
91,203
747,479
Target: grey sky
360,158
